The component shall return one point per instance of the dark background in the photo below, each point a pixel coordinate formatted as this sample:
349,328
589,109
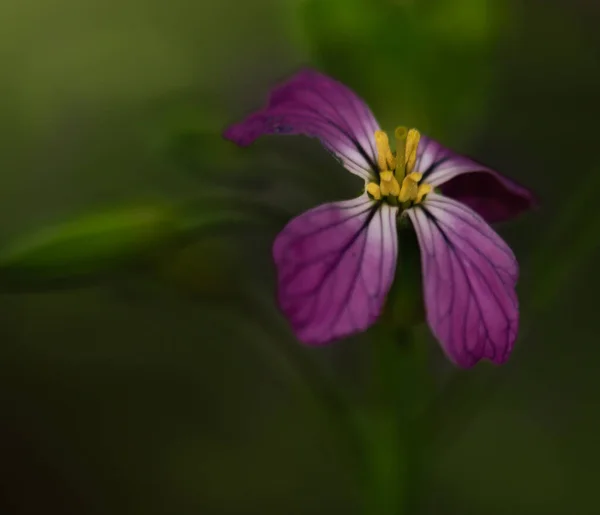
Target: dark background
144,368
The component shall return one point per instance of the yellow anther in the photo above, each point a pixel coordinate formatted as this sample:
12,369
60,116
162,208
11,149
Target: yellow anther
374,190
409,190
424,189
389,185
385,158
390,188
412,143
386,176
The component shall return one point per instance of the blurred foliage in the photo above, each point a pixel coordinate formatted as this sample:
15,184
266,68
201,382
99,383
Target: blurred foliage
207,267
425,64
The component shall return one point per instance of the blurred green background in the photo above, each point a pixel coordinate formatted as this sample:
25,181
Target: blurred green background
144,368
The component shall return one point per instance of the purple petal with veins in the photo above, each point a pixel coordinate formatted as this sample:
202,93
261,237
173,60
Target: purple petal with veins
495,197
469,278
315,105
335,266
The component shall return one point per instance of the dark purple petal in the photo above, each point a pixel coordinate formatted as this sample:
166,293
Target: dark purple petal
315,105
493,196
335,265
469,278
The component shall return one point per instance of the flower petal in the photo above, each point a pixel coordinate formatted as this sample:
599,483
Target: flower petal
335,266
469,278
484,190
315,105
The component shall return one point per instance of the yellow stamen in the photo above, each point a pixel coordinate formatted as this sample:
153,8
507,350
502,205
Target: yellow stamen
400,134
409,189
396,172
412,142
390,188
374,190
389,185
415,176
385,158
386,176
424,189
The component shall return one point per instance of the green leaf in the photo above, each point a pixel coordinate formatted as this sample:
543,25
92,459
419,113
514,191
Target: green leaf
102,242
90,244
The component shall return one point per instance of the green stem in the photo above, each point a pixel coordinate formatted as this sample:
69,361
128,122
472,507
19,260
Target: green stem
391,437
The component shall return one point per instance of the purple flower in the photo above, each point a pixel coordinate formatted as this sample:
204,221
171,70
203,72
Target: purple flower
336,262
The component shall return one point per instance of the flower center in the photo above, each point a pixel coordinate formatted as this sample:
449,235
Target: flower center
398,182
